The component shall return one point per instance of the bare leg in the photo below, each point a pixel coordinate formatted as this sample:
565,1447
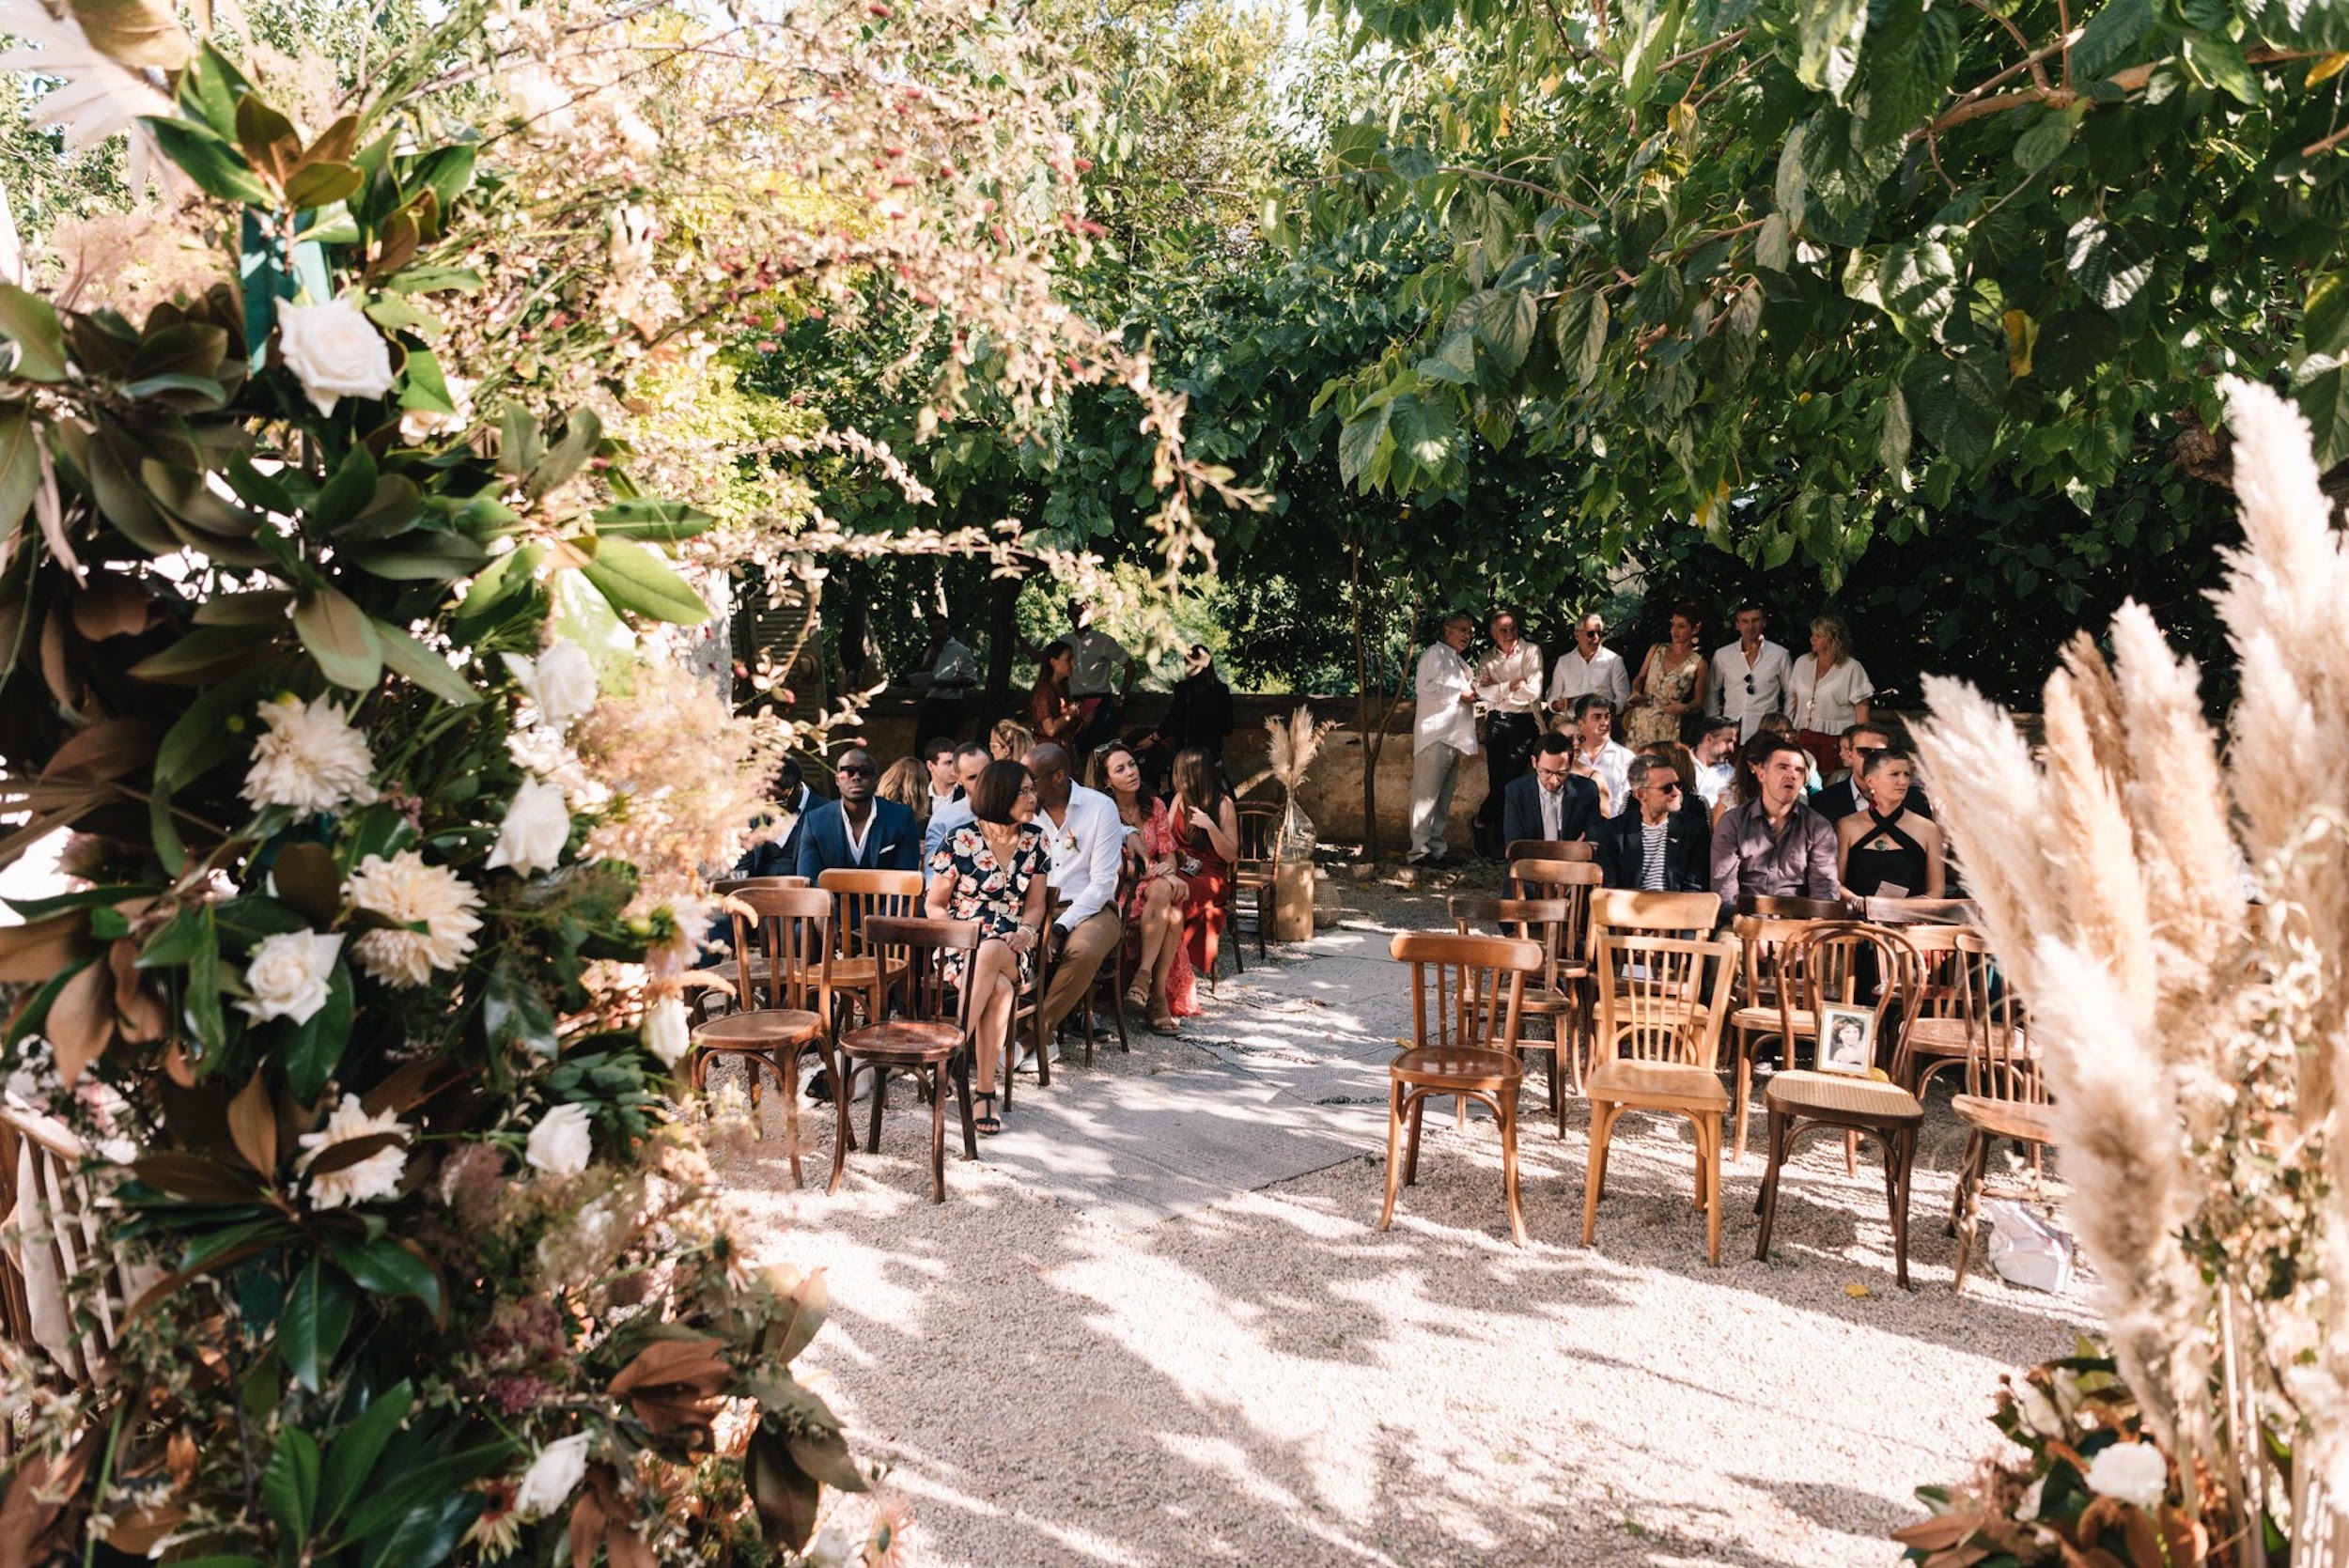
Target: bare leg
992,969
1170,949
1156,900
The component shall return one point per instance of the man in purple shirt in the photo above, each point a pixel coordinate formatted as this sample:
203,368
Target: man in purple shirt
1775,845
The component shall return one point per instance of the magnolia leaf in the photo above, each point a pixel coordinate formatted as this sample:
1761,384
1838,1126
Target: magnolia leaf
253,1125
352,1459
634,579
31,322
340,638
315,1049
289,1486
310,1330
142,33
413,660
643,518
322,184
217,168
582,434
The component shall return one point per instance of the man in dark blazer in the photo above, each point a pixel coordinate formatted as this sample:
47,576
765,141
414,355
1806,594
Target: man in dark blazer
1841,799
859,831
1552,796
780,857
1658,796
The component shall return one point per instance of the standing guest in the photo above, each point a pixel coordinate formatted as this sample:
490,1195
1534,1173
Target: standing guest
1199,714
944,783
858,832
969,762
1052,713
992,870
1599,757
906,782
1656,847
1828,689
1206,842
1009,740
949,671
1509,684
1671,683
1716,759
1164,987
1100,656
1444,730
1087,847
1888,850
1589,668
1774,845
1749,674
1551,801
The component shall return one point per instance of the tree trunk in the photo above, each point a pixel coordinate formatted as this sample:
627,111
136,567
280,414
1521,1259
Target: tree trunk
1003,642
1373,738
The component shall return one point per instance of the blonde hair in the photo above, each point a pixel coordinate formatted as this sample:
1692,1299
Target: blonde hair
908,783
1010,740
1835,631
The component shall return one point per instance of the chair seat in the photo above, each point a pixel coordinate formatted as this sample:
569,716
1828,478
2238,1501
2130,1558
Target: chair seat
2005,1118
1769,1018
903,1040
1253,876
1836,1097
1672,1083
1427,1065
760,1030
1542,1001
861,971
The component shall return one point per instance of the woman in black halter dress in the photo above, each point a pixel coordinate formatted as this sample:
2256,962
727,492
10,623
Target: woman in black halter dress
1887,850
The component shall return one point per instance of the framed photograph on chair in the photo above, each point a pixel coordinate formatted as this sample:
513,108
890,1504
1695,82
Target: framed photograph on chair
1846,1040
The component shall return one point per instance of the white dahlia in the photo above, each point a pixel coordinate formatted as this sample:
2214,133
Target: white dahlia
362,1181
408,893
309,757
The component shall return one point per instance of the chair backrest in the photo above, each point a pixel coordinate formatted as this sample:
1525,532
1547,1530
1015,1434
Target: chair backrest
1478,985
1761,941
1850,964
1940,979
2002,1065
916,947
1662,999
1775,906
792,929
1259,830
1542,921
57,1244
1572,882
735,884
1552,849
860,896
1689,916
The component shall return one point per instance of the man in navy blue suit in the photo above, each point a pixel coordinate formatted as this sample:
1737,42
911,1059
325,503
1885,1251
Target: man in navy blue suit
858,832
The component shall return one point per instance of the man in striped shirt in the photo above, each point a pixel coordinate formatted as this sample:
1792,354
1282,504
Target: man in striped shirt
1659,846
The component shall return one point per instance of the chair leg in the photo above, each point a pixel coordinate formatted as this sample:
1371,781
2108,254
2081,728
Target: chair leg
1709,1142
1417,1111
787,1075
1043,1040
1394,1152
1904,1146
1781,1135
1969,1216
880,1094
1557,1092
1506,1108
1742,1110
938,1133
1595,1177
962,1100
841,1133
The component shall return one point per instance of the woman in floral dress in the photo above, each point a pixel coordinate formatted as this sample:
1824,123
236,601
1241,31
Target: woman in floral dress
1165,985
992,870
1671,683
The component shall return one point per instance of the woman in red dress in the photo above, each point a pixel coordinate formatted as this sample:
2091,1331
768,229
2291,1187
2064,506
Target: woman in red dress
1165,986
1206,842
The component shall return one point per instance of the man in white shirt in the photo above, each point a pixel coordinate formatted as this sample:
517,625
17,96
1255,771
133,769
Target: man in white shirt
1444,730
938,761
1590,668
1509,684
1597,754
949,671
1716,752
1086,841
1749,674
1098,658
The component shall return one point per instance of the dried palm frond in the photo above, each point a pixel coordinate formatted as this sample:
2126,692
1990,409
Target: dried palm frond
1291,746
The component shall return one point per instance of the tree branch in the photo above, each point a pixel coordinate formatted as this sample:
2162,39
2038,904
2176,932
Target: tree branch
1559,196
1704,51
2030,58
2129,80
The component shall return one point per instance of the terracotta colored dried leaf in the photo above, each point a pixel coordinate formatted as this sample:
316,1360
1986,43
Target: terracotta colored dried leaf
30,954
111,606
351,1151
106,750
81,1021
253,1126
690,1362
139,1013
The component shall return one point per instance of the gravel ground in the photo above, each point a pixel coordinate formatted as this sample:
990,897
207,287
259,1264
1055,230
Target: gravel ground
1157,1323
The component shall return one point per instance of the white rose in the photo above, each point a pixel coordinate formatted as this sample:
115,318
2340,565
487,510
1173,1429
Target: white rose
561,680
2038,1412
559,1145
552,1476
335,351
288,975
667,1034
537,827
2133,1473
2027,1508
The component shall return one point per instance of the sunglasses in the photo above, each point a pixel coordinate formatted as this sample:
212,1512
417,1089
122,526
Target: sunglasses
857,772
1672,788
1749,686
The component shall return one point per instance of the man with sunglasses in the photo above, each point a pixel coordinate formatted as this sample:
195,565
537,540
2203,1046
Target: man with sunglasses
1749,675
1589,669
1657,847
859,831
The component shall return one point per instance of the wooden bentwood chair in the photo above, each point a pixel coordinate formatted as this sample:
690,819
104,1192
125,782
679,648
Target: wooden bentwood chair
2005,1099
1479,983
1661,1000
1542,920
930,1040
1256,871
1823,967
1565,995
1552,849
1027,1009
860,897
783,996
1115,973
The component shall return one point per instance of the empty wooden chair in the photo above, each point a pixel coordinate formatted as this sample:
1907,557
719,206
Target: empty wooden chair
1660,1005
1759,1017
929,1040
860,896
1941,1032
783,959
1255,871
1470,1052
2005,1099
1552,849
1689,916
1571,882
1549,996
1824,967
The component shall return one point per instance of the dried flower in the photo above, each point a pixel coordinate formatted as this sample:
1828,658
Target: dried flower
335,351
288,975
561,1143
667,1034
309,759
408,893
365,1180
561,681
2133,1473
553,1476
537,826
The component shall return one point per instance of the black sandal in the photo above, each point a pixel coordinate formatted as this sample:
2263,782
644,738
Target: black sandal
991,1124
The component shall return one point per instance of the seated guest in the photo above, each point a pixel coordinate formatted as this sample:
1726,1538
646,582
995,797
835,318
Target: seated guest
1009,740
779,856
1164,985
1777,723
970,760
990,869
1887,849
1717,760
1775,845
1206,842
1657,846
1087,845
1598,757
858,832
1549,802
906,782
943,781
1845,795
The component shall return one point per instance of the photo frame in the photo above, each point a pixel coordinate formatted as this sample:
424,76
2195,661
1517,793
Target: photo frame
1848,1040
